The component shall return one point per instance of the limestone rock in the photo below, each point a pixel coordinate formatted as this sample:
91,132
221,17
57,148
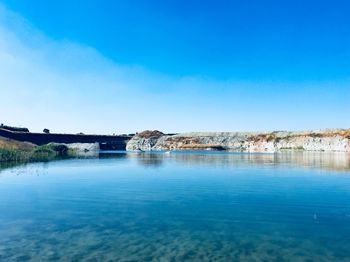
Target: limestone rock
144,141
328,140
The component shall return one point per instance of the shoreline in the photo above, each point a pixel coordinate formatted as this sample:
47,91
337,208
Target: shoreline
336,140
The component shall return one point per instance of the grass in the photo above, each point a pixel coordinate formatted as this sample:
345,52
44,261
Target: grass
40,153
15,151
9,155
6,143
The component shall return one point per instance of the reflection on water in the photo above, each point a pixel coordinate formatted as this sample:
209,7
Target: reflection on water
336,161
178,207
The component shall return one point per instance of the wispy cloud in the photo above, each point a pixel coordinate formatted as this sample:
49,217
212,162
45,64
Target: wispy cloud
66,86
69,87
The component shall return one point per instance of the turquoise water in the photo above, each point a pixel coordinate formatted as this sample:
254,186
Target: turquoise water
178,207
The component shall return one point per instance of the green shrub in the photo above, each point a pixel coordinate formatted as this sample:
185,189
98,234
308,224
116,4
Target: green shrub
40,153
13,155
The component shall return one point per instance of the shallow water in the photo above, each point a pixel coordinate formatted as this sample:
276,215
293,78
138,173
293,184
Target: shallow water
178,207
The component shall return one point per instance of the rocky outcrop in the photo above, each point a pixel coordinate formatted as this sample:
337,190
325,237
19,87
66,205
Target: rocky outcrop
80,149
144,141
328,140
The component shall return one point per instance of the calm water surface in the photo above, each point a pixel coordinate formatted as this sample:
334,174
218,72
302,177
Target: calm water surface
178,207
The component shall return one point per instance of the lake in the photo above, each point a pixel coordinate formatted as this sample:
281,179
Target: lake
178,207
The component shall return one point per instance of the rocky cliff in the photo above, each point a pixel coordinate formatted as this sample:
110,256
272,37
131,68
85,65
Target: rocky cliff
327,140
144,141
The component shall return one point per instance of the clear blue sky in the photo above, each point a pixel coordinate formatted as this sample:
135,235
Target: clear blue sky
183,65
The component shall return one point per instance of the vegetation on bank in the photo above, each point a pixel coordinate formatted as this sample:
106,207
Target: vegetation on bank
277,136
14,129
10,144
201,147
15,151
265,137
40,153
299,148
331,133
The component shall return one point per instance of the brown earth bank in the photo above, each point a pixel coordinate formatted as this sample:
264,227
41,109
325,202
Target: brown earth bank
6,143
337,140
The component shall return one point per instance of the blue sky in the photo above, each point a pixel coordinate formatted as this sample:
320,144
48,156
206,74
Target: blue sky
125,66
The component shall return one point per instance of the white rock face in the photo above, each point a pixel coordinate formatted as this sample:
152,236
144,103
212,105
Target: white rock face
84,147
139,143
145,141
330,140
